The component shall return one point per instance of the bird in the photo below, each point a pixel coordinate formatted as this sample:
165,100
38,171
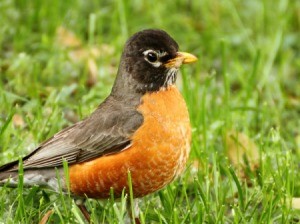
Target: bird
142,127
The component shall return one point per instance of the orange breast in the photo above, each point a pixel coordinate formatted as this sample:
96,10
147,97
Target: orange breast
158,153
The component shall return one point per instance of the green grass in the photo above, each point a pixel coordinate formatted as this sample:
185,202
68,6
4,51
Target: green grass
246,79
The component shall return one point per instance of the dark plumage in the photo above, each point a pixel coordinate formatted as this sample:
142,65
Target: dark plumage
138,75
109,128
142,126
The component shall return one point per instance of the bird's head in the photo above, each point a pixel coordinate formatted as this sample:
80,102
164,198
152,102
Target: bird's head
150,61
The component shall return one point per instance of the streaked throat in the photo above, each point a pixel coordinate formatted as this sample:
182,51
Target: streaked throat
170,77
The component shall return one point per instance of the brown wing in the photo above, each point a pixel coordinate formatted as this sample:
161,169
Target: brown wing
107,130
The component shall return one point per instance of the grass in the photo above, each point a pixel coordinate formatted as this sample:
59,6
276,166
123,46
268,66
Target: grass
247,80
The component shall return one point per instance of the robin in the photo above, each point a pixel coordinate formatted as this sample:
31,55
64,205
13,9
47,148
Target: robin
143,127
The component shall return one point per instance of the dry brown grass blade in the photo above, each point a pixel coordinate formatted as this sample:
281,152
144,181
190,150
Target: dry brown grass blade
45,218
240,148
93,71
67,38
18,121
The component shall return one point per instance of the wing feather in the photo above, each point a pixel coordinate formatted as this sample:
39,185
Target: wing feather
106,131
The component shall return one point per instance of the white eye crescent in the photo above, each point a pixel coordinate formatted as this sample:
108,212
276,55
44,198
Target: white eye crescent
153,57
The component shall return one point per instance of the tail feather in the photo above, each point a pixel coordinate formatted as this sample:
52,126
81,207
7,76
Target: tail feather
46,178
9,166
8,177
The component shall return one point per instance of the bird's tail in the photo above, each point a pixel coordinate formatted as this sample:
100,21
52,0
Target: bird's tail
9,174
9,179
47,177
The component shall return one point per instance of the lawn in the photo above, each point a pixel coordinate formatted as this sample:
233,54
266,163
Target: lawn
58,60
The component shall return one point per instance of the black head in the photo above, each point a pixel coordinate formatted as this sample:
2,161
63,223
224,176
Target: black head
149,62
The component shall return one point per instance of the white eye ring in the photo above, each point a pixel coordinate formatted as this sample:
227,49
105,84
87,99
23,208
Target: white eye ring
153,57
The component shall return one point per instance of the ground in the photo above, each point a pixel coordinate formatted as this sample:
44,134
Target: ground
58,62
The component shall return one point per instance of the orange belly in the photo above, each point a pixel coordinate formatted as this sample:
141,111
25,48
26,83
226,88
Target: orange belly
158,153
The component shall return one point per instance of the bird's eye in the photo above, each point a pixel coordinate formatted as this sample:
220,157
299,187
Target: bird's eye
152,57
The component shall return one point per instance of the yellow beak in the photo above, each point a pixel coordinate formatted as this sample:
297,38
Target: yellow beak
181,58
